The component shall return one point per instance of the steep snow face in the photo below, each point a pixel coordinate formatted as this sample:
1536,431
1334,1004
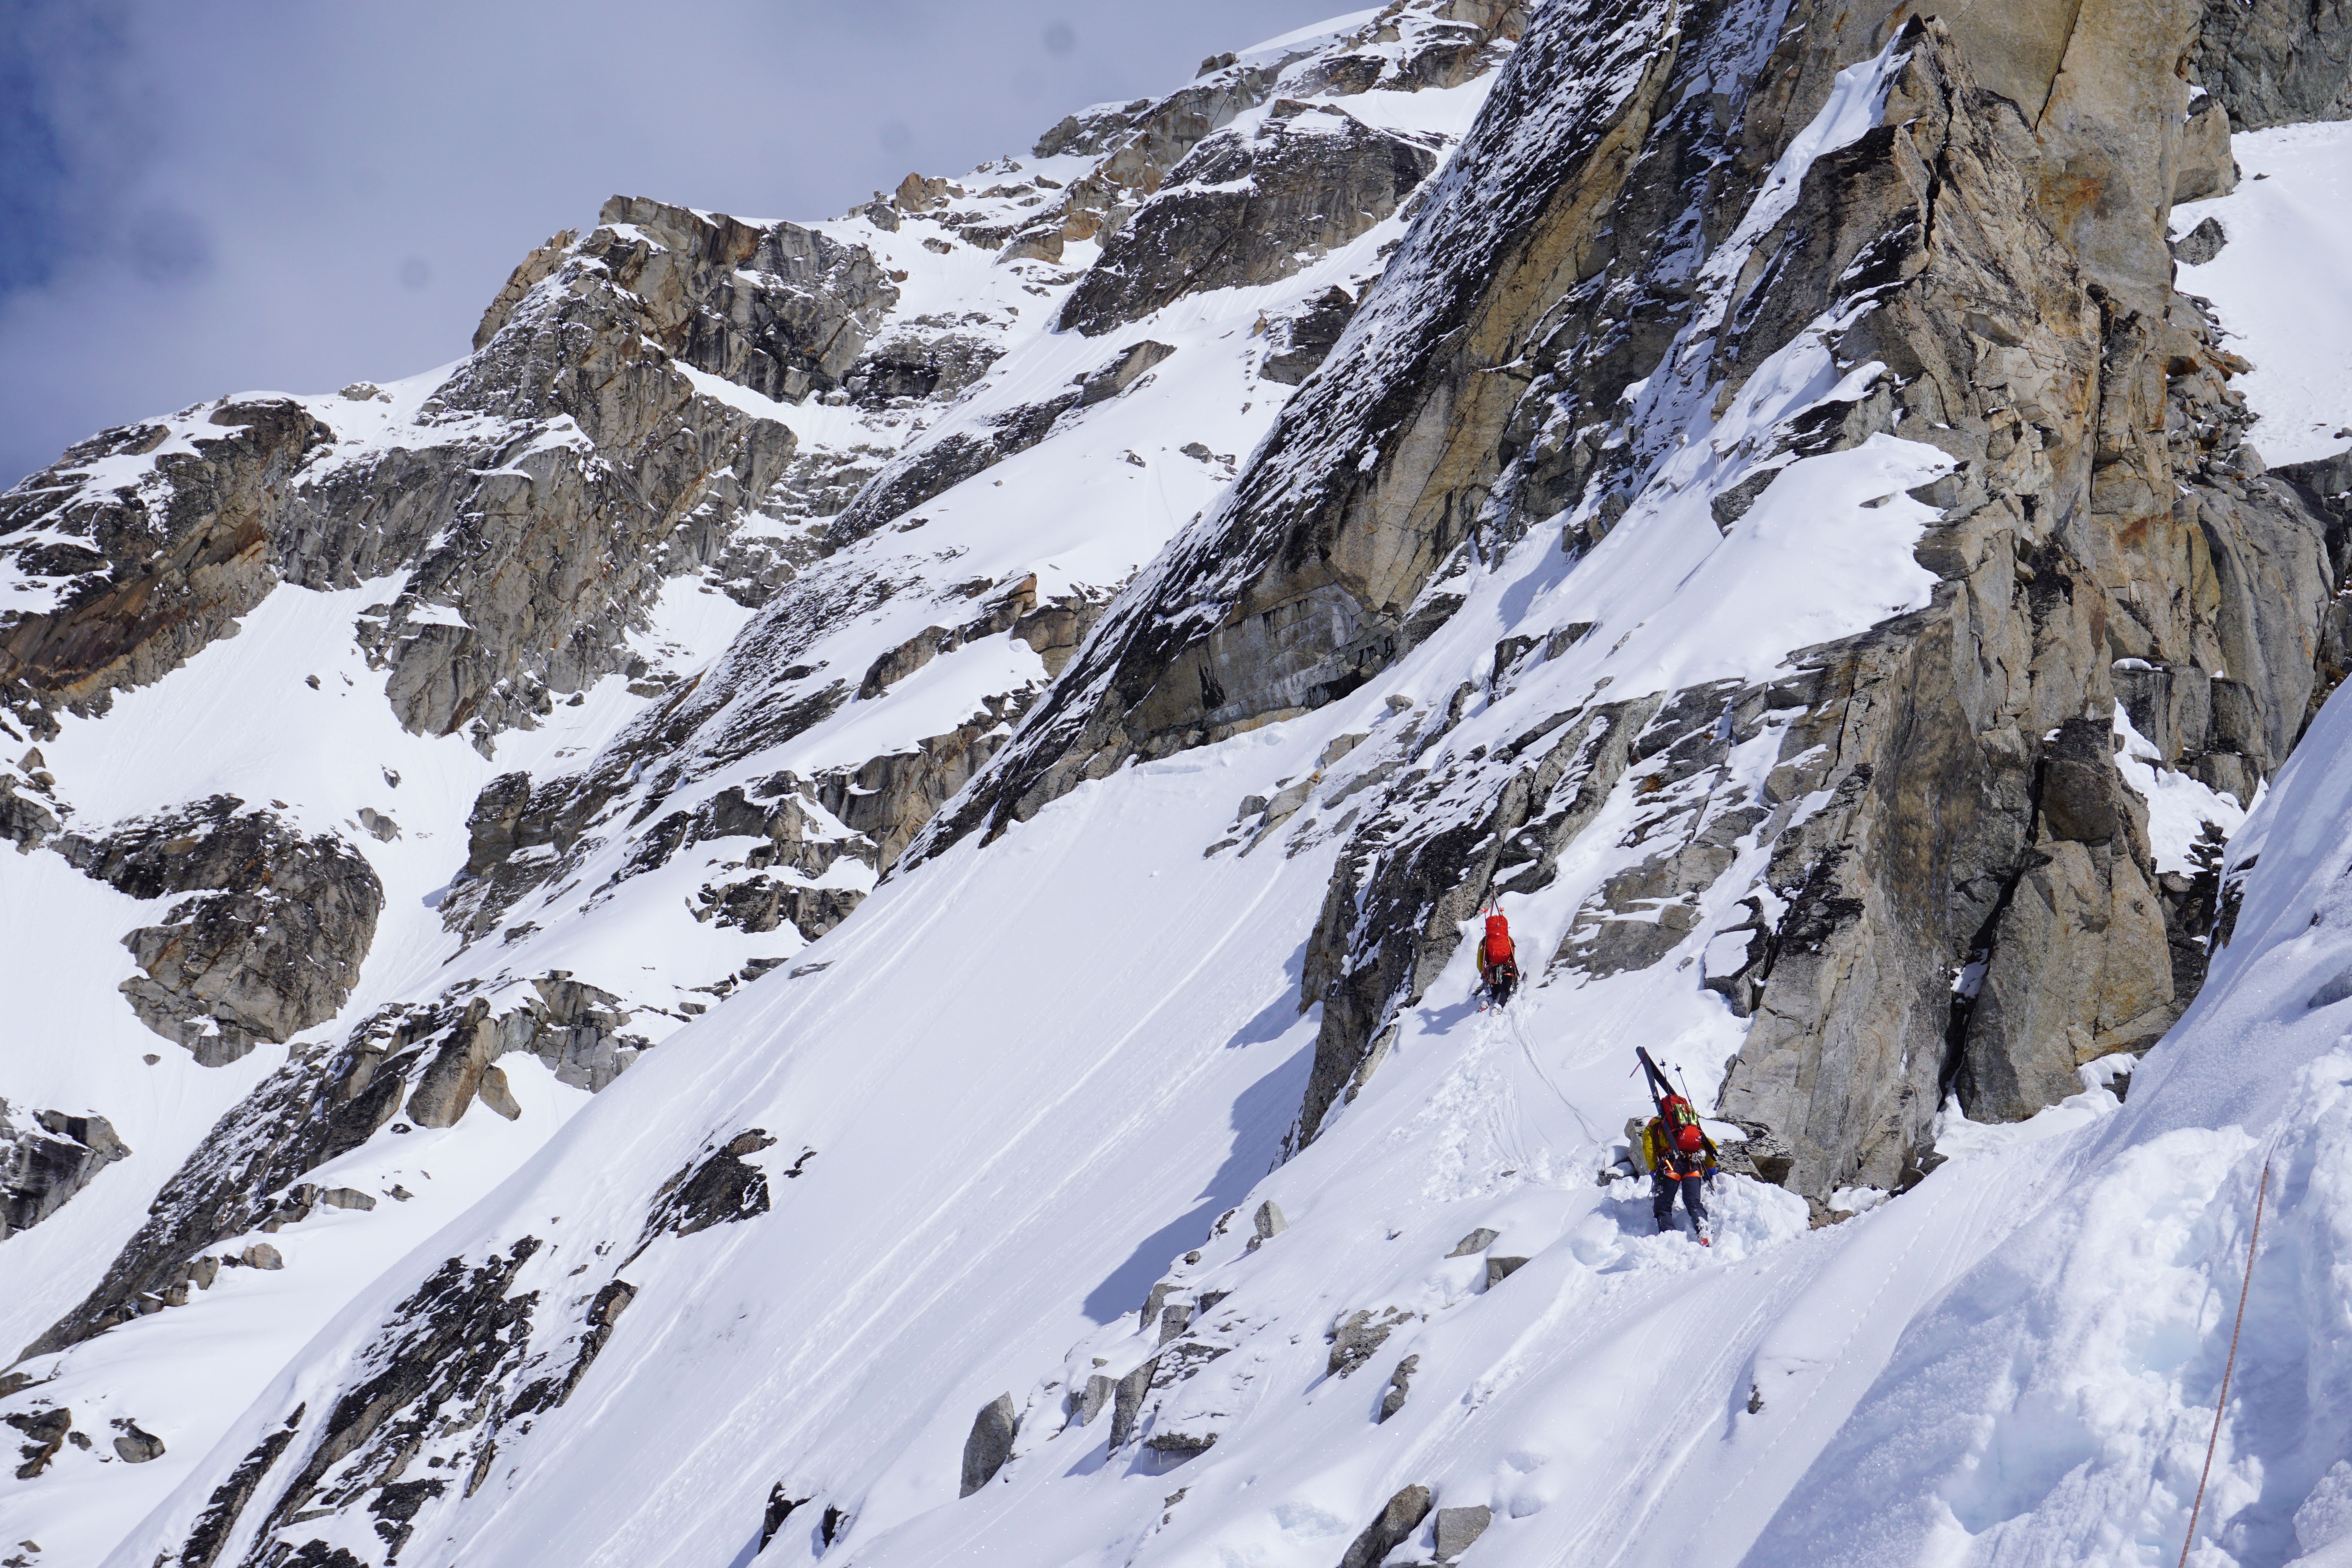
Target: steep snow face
1006,1132
2056,1404
2279,281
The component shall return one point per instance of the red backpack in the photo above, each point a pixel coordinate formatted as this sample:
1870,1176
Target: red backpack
1498,940
1682,1128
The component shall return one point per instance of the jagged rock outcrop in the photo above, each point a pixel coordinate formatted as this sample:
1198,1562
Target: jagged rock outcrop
145,575
1406,48
1297,587
1300,343
43,1165
432,1062
272,944
939,466
317,1107
452,1344
1240,210
780,308
2100,508
153,538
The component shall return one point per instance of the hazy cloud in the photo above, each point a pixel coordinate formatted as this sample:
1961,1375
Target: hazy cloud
200,199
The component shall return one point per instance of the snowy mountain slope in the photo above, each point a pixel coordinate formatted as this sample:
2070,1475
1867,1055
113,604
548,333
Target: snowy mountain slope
1818,396
647,945
2277,279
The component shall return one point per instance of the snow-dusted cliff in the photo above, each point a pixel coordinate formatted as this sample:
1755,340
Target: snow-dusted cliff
812,908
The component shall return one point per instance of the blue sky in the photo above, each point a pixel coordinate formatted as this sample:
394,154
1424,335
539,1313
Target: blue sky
206,196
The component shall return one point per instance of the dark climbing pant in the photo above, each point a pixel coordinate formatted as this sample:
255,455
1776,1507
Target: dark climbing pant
1661,1198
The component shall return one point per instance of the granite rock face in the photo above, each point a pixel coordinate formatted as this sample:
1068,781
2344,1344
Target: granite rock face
43,1165
270,943
2277,62
1996,243
146,576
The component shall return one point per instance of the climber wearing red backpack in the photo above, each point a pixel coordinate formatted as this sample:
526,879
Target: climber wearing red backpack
1681,1159
1679,1154
1499,965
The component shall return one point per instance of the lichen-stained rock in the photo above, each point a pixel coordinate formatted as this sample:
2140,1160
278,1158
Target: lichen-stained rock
272,943
1240,210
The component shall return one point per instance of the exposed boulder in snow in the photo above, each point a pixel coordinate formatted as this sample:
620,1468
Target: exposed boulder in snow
719,1190
1247,209
272,944
1458,1529
1400,1386
2205,167
45,1433
1397,1521
43,1165
989,1444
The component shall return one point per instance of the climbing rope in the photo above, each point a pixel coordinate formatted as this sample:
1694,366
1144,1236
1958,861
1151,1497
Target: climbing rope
1529,1050
2222,1402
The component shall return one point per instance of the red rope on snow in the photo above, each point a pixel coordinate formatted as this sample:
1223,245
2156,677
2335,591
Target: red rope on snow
2222,1402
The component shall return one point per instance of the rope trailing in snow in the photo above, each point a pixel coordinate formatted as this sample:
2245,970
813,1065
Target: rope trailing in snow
2222,1402
1529,1049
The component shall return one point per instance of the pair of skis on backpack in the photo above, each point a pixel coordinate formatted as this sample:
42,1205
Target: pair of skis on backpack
1681,1157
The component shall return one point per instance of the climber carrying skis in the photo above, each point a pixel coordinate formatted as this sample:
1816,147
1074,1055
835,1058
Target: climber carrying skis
1681,1157
1499,965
